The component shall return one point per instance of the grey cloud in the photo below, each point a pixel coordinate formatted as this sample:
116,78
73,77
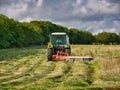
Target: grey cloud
114,1
70,10
20,9
59,9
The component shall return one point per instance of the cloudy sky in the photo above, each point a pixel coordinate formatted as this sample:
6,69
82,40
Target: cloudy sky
91,15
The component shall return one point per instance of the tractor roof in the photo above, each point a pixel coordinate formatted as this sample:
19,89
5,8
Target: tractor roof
58,33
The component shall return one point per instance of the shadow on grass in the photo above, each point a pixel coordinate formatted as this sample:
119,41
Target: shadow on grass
18,53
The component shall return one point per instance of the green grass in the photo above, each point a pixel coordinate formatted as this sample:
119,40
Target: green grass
28,69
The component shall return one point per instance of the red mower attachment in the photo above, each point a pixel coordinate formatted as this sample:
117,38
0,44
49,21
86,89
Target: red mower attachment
64,56
60,56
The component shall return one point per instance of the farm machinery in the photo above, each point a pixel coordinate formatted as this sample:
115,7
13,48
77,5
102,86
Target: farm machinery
59,48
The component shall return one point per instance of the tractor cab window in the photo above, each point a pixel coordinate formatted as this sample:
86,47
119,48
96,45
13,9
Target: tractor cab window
58,40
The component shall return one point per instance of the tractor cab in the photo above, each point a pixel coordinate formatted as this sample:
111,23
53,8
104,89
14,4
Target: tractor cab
59,39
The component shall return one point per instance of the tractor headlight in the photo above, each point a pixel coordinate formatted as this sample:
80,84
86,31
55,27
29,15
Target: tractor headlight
50,44
66,46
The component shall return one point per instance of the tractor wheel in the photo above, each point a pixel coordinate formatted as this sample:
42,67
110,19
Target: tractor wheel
49,54
68,51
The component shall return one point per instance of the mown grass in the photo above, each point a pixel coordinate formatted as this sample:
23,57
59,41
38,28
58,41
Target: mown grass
108,57
28,69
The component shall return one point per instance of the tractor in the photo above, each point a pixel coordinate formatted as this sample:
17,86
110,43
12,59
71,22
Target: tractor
59,42
59,48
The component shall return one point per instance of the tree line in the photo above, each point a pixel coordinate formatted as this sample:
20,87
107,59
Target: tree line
21,34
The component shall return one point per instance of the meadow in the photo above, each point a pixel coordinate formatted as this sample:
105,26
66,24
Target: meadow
28,69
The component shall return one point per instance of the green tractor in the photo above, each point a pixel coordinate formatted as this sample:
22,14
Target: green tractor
59,41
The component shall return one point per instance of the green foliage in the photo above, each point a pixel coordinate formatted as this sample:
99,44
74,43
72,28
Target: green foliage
107,38
80,36
16,34
119,38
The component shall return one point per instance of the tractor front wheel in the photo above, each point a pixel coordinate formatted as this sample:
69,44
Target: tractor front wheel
49,54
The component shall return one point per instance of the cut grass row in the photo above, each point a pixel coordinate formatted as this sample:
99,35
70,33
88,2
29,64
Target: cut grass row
108,56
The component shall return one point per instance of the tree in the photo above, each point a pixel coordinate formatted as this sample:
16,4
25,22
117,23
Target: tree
119,38
107,38
80,36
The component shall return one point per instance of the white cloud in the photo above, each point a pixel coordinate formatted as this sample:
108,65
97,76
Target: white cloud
27,19
39,2
89,7
14,10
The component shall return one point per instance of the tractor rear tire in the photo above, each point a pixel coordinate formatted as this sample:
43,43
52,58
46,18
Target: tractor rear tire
49,54
68,51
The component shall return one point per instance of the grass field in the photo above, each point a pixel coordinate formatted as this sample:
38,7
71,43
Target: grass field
28,69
